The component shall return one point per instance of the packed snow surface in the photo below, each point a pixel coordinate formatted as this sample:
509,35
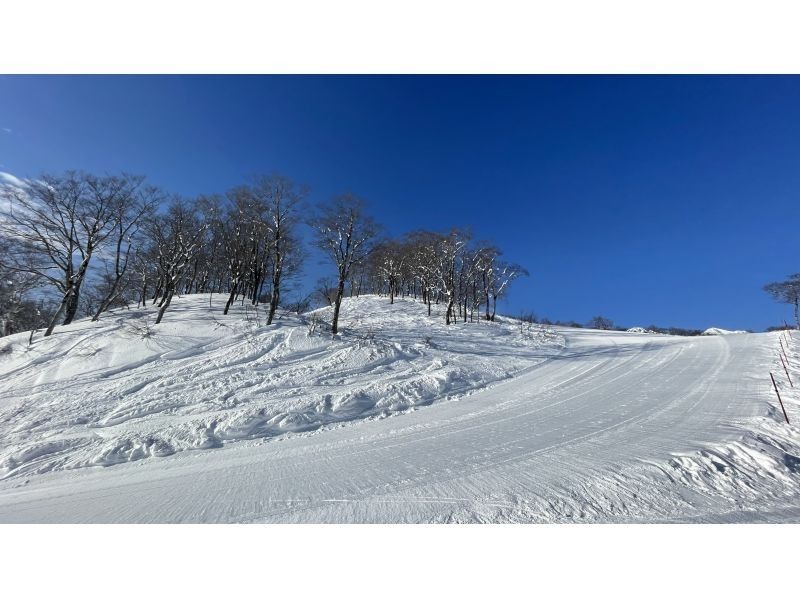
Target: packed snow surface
212,418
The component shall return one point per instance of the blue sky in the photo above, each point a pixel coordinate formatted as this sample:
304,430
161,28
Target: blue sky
666,200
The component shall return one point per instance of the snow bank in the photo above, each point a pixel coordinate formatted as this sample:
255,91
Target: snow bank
122,389
640,330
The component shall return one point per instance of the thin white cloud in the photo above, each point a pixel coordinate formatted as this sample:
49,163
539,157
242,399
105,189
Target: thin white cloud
6,130
6,178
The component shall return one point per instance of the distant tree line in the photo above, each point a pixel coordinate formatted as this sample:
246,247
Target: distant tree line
101,242
604,323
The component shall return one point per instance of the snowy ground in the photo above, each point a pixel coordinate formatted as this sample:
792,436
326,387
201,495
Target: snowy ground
577,425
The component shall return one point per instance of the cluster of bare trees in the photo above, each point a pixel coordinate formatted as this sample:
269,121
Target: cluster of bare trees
131,243
100,242
441,268
54,229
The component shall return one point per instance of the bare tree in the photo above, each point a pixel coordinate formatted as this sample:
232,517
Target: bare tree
487,258
504,275
281,201
424,262
241,231
787,291
129,212
59,223
145,266
449,252
390,258
16,310
600,323
344,232
177,236
325,291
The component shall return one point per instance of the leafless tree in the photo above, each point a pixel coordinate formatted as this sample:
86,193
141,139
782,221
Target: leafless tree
242,231
487,257
17,311
424,262
145,268
129,213
344,232
58,224
449,251
600,323
504,275
177,236
787,291
390,258
281,201
325,291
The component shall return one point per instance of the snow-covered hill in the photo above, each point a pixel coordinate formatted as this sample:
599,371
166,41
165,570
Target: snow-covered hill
553,426
718,331
122,389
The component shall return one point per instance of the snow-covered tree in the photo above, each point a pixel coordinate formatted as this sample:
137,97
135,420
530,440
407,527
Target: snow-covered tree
504,274
177,235
344,232
449,251
281,201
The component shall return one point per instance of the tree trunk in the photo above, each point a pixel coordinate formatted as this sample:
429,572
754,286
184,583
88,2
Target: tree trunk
144,291
275,296
157,292
58,313
231,299
164,306
107,300
77,281
71,307
337,305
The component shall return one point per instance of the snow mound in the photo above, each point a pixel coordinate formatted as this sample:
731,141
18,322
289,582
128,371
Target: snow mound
122,389
720,331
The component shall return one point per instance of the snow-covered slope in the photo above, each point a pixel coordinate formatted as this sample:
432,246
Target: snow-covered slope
121,389
581,425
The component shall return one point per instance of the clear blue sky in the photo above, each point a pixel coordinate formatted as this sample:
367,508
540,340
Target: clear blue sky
667,200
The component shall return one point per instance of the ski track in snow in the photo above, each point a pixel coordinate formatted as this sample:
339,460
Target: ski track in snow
580,425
